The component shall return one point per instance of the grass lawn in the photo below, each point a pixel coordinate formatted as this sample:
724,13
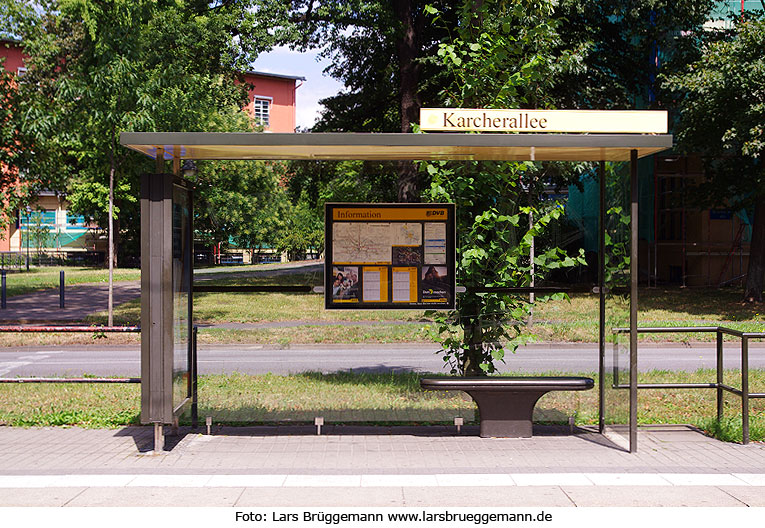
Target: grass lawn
577,319
363,397
574,320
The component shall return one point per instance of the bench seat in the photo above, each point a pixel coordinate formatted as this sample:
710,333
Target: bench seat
506,404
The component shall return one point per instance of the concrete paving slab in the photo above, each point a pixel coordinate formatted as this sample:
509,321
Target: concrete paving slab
168,481
38,497
627,479
171,497
324,497
634,496
301,481
552,479
751,479
376,481
247,481
702,479
751,496
486,496
473,480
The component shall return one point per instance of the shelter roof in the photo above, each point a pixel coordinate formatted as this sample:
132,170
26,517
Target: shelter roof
364,146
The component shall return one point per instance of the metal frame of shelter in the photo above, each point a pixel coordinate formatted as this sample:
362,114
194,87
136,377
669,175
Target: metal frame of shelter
156,339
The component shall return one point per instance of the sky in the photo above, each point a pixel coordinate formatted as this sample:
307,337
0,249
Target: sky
317,86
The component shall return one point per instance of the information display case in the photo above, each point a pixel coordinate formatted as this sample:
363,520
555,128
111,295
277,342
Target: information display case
389,256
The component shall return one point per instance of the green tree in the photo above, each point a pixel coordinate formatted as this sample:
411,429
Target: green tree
622,46
241,201
383,52
39,233
722,115
101,67
304,231
501,55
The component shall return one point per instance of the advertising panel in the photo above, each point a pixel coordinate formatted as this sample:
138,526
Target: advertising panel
389,256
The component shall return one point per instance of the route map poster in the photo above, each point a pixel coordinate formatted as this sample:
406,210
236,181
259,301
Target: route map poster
389,256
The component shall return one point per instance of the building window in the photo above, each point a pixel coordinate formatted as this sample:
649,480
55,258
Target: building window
21,71
261,111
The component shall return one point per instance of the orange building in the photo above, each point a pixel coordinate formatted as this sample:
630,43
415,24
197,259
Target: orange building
14,57
272,100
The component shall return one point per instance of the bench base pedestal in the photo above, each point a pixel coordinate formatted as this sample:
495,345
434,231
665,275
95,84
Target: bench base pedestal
504,420
506,404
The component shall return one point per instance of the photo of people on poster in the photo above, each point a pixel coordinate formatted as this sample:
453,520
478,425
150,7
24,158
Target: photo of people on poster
345,286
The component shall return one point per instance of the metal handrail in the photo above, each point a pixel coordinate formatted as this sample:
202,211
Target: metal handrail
96,329
68,329
720,384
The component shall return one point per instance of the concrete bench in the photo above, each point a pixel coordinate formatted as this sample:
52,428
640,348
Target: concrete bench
506,404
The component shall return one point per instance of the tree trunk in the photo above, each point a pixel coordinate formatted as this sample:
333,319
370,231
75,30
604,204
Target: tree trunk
755,275
408,51
110,303
473,338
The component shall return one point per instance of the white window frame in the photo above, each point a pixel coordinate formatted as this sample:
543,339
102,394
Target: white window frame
21,71
266,123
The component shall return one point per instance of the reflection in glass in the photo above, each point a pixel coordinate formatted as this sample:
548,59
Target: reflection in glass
617,301
181,298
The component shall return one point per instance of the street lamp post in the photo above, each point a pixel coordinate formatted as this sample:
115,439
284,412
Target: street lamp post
29,218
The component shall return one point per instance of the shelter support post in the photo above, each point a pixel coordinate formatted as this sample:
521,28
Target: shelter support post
159,161
745,390
720,379
159,437
602,297
156,300
634,272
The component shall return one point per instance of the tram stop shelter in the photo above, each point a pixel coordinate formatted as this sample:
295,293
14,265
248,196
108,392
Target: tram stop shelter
167,242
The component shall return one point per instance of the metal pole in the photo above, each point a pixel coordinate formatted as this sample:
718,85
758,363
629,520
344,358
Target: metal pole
634,271
720,380
3,299
194,372
194,369
61,290
745,390
29,219
159,438
602,298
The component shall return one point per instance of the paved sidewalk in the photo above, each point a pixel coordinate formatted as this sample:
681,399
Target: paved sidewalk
80,301
375,466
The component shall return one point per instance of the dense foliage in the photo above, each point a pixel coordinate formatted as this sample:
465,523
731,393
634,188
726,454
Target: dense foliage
722,115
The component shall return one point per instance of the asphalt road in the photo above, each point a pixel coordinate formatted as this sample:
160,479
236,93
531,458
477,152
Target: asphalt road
258,359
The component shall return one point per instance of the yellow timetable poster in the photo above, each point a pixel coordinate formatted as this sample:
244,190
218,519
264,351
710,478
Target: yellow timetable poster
389,255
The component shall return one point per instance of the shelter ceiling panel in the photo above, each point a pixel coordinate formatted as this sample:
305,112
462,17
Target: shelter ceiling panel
349,146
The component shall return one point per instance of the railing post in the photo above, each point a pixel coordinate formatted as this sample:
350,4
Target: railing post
744,390
194,398
3,298
61,289
719,375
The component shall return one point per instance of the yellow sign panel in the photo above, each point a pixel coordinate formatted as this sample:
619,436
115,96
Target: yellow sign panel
518,120
363,214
